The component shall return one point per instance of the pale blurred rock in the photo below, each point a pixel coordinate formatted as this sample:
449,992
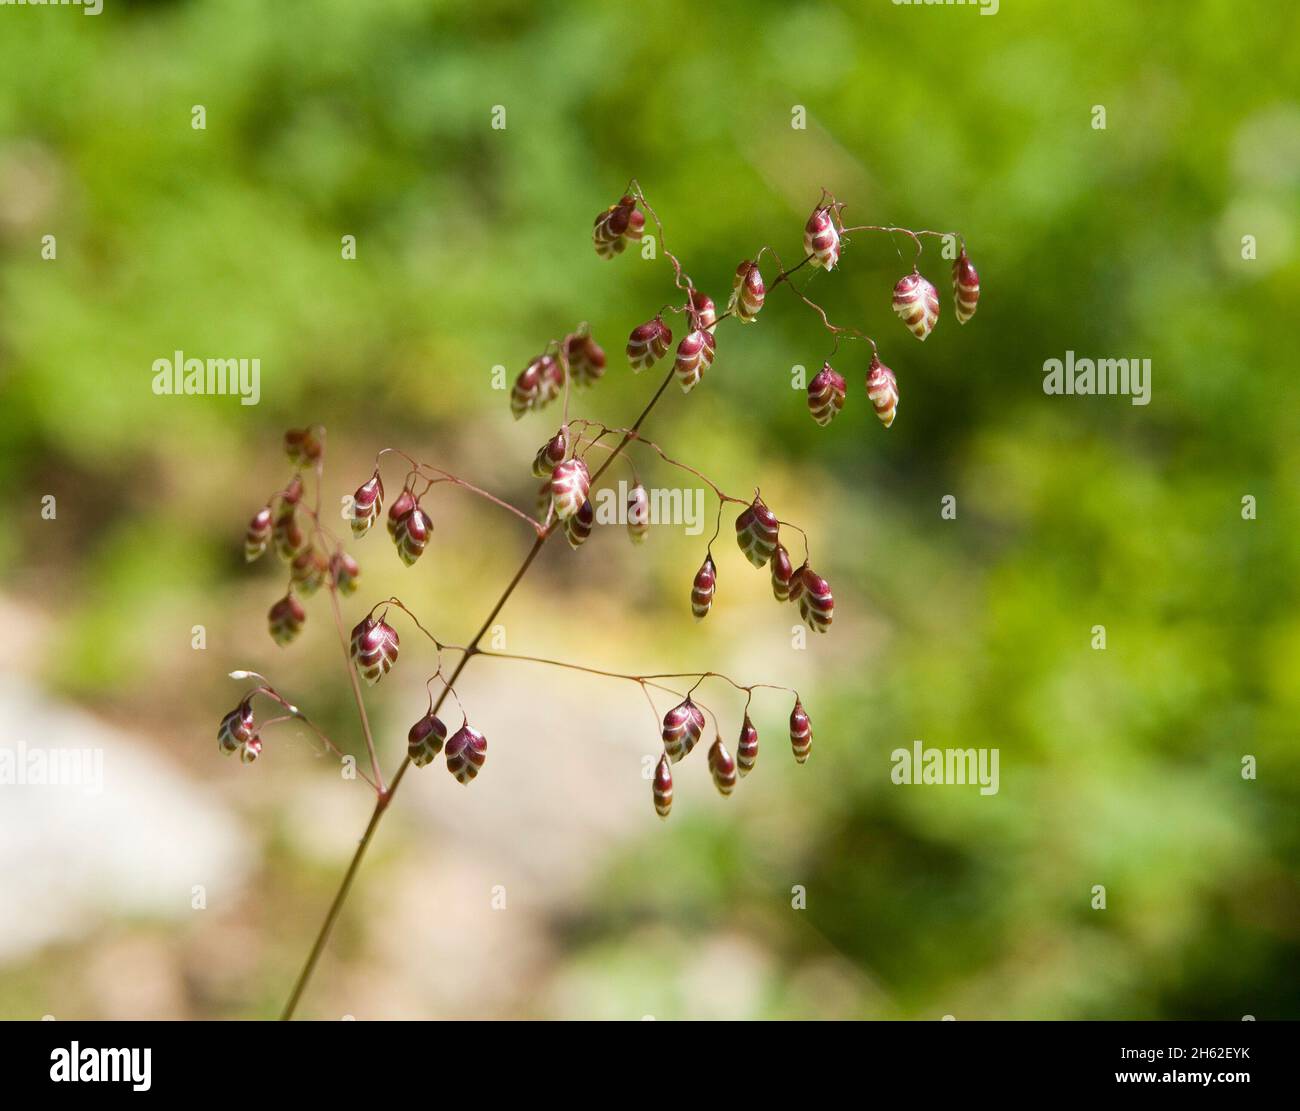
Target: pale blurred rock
132,839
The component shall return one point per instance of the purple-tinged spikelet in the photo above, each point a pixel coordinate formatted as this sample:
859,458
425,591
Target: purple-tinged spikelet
466,753
288,538
683,725
286,619
663,787
706,312
747,747
821,238
303,446
236,728
638,513
570,483
618,225
826,395
722,766
694,357
307,571
345,572
425,738
882,390
747,292
586,359
366,504
917,303
374,648
258,534
578,527
648,343
702,589
800,732
965,288
816,604
412,535
782,573
757,531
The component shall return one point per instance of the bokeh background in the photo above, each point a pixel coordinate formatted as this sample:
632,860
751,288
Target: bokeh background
1119,767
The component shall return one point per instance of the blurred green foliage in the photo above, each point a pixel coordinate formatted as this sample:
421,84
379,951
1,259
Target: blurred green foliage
1119,767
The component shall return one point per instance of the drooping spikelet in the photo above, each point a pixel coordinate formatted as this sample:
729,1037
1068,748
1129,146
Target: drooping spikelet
821,238
916,302
757,532
826,395
800,732
374,648
965,288
882,389
702,589
722,766
648,343
683,725
694,357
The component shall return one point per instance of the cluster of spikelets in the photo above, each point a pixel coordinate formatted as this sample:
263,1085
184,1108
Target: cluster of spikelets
915,300
577,356
682,727
279,525
759,537
578,360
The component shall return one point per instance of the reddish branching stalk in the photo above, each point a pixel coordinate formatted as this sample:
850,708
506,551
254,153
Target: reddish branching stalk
316,557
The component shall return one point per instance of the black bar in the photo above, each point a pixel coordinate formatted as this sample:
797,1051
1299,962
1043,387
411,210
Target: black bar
862,1060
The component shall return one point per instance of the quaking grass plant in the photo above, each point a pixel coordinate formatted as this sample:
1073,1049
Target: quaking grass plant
570,465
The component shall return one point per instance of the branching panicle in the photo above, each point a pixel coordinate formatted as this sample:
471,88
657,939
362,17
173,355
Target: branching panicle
571,464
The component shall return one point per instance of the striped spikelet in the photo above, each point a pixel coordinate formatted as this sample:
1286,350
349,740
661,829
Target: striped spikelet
258,534
683,725
694,357
747,747
411,535
757,532
286,619
706,312
916,302
570,483
882,389
366,505
722,766
821,238
578,527
816,604
425,738
374,648
648,343
638,513
782,573
617,226
800,732
702,589
236,728
663,787
747,292
965,288
586,359
466,753
826,395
